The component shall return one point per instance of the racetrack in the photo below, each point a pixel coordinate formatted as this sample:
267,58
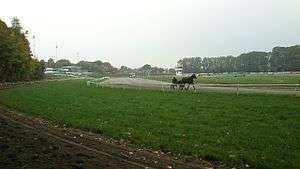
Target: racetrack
237,88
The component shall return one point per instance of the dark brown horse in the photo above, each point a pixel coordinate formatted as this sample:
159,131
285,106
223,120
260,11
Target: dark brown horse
187,80
174,83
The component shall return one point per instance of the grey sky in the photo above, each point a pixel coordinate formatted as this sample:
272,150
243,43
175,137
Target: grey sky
158,32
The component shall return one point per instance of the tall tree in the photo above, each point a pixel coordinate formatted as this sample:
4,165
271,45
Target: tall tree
63,62
15,54
50,63
16,25
280,59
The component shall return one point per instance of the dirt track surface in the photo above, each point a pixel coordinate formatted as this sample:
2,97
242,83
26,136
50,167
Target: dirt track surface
34,143
243,88
138,82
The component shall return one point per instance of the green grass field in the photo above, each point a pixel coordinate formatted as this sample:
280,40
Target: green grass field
231,79
261,130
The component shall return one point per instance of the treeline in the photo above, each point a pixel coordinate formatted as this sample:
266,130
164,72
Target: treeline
16,62
105,68
98,66
279,60
147,70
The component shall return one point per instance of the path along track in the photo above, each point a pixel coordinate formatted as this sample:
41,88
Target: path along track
233,88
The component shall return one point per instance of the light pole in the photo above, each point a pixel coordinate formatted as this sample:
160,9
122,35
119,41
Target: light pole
238,81
56,52
33,44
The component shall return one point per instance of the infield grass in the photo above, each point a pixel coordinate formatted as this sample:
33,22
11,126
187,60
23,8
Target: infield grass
260,130
242,79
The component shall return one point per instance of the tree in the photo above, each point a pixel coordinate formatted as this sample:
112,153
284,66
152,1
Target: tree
16,25
146,67
98,66
5,51
172,71
144,70
15,54
50,63
38,69
124,70
156,71
108,68
254,61
191,65
280,59
285,58
63,62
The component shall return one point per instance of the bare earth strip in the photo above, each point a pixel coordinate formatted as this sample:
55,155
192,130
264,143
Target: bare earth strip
34,143
243,88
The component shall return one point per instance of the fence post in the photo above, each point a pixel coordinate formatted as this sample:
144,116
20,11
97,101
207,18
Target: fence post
297,90
237,88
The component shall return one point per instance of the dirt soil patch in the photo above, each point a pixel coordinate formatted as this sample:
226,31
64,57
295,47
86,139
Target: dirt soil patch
27,142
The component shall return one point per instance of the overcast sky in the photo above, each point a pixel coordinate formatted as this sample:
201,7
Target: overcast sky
158,32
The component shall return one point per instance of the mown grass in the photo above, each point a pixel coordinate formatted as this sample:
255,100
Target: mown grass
261,130
233,79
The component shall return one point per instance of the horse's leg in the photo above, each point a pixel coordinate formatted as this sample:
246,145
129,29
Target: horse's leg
188,87
194,86
172,87
181,86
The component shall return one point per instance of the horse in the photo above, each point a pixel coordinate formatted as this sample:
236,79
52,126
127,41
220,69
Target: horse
187,80
174,83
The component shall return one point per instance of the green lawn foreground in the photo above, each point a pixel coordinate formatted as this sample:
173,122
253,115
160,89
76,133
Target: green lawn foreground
232,79
260,130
